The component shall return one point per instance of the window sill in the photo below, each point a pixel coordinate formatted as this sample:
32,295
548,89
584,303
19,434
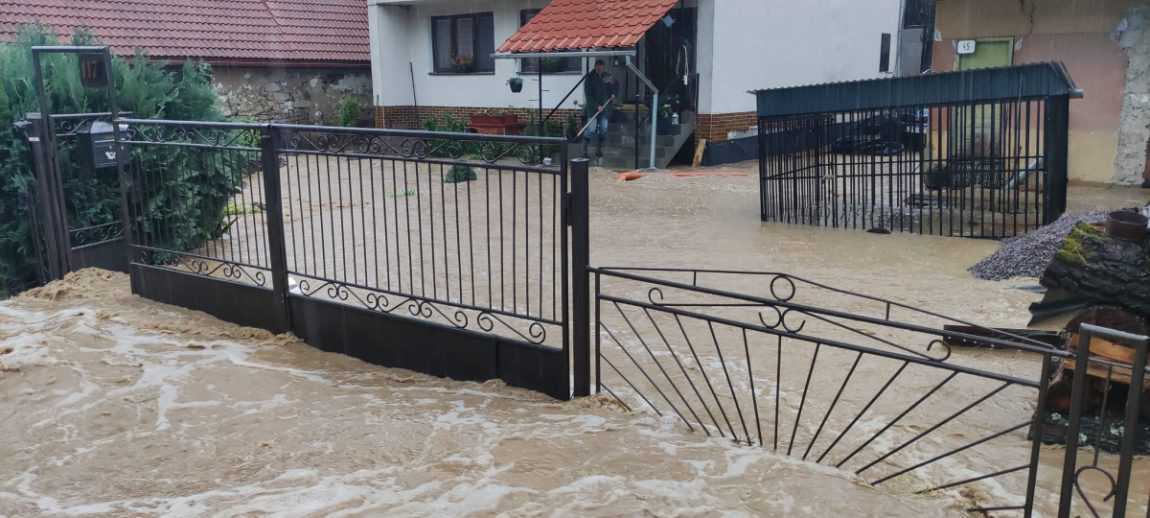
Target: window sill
461,73
533,74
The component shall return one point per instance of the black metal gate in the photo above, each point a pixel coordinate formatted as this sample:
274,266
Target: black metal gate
444,253
76,208
978,153
871,386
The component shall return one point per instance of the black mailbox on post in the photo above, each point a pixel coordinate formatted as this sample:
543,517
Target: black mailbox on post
98,146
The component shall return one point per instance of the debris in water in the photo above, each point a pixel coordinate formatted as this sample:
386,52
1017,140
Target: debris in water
1029,254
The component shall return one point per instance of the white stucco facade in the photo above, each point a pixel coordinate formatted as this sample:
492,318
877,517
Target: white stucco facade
401,45
742,45
753,44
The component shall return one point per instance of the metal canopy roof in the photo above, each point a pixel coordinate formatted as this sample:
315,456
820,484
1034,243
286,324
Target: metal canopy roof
1021,81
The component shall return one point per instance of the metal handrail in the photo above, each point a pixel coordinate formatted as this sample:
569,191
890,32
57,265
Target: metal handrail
595,117
565,97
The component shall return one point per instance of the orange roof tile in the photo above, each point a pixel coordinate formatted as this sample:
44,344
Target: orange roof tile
587,24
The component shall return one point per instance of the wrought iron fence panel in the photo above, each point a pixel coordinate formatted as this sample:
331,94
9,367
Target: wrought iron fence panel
855,382
197,201
462,230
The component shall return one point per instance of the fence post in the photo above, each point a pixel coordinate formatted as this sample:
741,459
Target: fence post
580,260
1057,146
48,198
1077,395
269,155
1133,408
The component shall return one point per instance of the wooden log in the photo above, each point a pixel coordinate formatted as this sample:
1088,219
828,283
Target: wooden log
1101,268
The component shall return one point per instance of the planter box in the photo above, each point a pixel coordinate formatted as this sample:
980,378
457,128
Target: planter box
496,124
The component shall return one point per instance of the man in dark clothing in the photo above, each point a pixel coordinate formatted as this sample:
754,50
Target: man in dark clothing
599,89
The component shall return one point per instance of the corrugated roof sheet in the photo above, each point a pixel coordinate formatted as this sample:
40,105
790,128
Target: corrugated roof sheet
588,24
299,31
1027,81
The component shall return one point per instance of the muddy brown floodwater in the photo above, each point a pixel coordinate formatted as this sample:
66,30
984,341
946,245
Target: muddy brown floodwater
116,406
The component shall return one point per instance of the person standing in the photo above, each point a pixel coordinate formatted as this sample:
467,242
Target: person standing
599,90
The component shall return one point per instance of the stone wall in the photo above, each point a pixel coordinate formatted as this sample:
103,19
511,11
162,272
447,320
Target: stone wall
299,95
1133,35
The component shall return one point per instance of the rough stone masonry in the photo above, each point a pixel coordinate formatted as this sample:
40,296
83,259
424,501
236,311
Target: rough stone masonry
1133,35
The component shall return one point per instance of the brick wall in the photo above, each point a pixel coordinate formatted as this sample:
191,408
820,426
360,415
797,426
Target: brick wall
409,117
711,126
716,126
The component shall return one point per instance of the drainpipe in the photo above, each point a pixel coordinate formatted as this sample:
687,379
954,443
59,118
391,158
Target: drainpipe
654,109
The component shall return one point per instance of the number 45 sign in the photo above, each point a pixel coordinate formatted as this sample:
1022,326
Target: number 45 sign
967,47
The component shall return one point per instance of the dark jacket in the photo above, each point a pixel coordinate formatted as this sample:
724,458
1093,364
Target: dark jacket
598,89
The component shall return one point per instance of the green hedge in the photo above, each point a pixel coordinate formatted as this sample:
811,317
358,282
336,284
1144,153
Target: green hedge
145,88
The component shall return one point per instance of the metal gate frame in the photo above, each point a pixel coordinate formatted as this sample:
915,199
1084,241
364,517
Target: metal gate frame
393,326
653,350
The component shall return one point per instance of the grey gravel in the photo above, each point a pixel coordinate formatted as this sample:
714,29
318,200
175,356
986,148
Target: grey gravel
1029,255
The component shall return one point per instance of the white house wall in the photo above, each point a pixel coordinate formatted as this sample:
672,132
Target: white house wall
402,34
770,43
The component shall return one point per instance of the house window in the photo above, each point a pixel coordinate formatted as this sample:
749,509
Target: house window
463,44
550,65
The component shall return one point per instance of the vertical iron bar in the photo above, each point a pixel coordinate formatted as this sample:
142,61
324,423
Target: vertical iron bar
580,259
269,146
1036,437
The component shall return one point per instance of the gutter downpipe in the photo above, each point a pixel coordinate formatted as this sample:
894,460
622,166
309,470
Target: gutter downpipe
654,108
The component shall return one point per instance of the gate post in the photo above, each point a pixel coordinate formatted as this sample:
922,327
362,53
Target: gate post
49,198
1056,145
269,157
580,259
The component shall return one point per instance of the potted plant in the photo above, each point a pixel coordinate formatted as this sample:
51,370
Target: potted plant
667,125
463,64
460,173
516,84
496,123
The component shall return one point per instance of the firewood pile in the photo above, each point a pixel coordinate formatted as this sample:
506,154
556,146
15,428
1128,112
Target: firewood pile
1104,268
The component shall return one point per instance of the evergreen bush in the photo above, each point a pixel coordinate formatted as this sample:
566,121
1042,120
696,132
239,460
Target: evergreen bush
194,197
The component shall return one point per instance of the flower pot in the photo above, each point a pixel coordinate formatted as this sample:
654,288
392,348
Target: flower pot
516,84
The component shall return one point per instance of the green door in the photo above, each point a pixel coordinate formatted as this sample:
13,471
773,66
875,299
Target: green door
988,53
977,141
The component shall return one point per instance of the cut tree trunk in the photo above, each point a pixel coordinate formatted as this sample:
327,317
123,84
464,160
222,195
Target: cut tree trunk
1103,269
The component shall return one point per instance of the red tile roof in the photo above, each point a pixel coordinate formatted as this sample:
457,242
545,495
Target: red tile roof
584,24
284,31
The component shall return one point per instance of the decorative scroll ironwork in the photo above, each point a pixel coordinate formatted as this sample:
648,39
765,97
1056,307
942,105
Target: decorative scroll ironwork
459,316
239,138
224,269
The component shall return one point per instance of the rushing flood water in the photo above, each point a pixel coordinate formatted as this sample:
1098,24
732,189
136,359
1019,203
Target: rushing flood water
115,405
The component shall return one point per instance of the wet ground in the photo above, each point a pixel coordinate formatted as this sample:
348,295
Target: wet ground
113,405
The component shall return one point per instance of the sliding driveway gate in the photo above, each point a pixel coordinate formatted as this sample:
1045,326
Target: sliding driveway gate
441,253
975,153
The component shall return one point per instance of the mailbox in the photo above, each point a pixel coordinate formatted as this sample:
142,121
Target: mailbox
98,145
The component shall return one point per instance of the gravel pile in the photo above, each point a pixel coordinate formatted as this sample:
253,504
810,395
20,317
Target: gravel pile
1028,255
